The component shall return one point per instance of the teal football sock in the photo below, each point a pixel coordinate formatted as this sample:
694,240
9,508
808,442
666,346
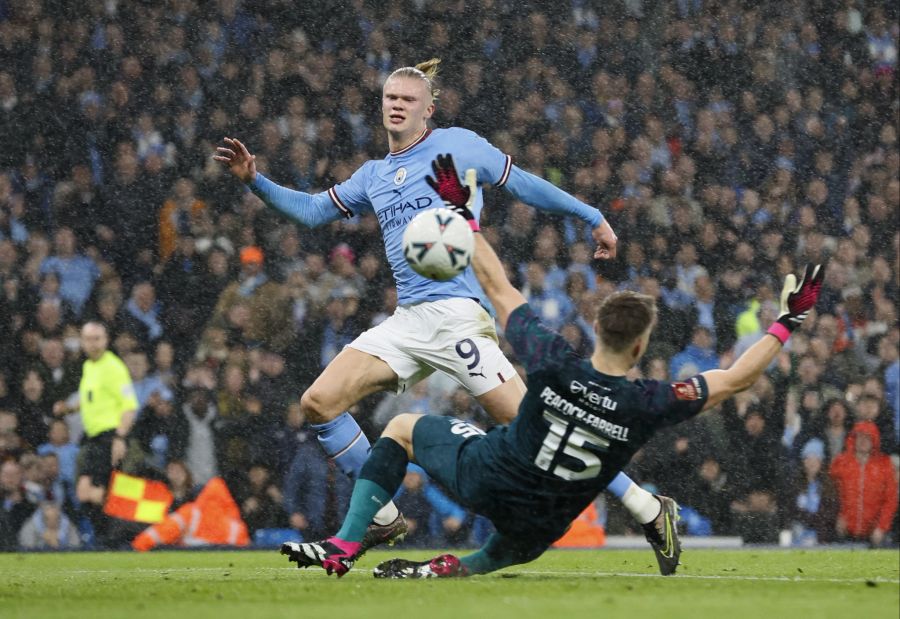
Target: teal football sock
498,552
379,480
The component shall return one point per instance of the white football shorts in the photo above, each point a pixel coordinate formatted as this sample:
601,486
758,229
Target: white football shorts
455,336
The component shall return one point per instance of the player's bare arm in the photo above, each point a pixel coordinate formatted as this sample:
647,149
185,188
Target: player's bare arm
492,277
796,301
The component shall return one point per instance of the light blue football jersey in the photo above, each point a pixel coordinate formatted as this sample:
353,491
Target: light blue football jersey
394,188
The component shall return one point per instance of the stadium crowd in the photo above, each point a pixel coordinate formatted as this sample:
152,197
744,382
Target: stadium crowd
728,142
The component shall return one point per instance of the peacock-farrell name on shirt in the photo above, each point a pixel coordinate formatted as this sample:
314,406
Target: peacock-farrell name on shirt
562,405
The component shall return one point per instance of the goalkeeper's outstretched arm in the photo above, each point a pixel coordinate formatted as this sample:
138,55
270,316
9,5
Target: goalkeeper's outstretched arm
311,210
796,301
492,277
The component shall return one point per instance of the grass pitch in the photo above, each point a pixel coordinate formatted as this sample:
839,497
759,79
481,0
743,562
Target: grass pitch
612,583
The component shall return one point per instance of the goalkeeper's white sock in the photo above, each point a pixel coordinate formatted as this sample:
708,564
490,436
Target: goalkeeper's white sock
643,506
387,514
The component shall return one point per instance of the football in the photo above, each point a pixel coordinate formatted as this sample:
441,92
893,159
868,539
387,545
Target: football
438,244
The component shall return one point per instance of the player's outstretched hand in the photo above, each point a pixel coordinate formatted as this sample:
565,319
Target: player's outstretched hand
798,298
456,195
606,241
238,159
448,186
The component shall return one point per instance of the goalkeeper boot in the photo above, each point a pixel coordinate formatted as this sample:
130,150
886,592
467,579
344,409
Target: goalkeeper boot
334,555
444,566
662,534
390,534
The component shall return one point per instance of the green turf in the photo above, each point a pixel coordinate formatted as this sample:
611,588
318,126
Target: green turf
196,585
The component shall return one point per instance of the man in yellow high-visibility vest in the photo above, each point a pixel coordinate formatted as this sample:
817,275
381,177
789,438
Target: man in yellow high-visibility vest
108,408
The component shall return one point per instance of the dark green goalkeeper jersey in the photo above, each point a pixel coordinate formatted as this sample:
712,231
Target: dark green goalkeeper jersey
576,429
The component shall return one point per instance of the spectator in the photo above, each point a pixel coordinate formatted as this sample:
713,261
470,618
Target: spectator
164,365
182,291
53,487
33,410
268,306
756,483
708,492
15,509
813,513
698,356
830,426
272,383
869,409
160,432
341,262
144,309
200,411
239,430
866,486
433,518
66,454
178,213
59,376
181,484
49,529
550,303
144,385
890,360
261,504
77,273
339,326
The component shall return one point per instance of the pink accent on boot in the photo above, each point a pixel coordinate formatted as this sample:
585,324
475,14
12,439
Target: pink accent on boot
446,566
334,564
351,549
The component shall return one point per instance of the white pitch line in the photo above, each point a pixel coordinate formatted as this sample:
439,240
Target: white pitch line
357,573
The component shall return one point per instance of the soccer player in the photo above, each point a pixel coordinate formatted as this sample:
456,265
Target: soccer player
579,423
439,325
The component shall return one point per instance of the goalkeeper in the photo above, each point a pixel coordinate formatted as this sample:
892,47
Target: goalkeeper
579,423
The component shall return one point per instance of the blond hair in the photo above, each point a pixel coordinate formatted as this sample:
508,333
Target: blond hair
426,71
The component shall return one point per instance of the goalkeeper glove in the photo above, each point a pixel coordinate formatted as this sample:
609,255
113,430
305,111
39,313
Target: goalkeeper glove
456,195
797,300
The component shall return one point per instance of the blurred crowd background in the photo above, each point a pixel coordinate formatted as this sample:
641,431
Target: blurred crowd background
728,142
